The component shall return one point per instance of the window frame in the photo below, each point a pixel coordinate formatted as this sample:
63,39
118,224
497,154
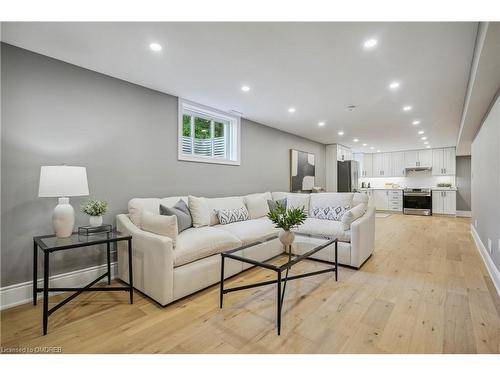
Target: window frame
232,135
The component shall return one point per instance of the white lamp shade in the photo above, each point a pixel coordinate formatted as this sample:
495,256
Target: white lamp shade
63,181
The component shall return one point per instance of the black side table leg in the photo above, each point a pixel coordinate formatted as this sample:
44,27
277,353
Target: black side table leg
336,261
222,280
130,277
278,316
45,291
35,271
108,251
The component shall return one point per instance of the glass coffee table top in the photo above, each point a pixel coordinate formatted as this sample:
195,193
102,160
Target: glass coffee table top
257,253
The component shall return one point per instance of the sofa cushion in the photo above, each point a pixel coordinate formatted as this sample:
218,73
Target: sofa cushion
325,227
298,200
200,211
160,224
198,243
250,230
359,198
216,204
329,213
353,214
137,205
257,204
181,210
274,204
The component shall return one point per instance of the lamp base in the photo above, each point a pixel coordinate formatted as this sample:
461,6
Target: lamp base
63,218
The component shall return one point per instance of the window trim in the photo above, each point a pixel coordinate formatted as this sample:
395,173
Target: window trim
234,127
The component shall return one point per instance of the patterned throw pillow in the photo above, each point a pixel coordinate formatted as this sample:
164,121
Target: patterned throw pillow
232,215
329,213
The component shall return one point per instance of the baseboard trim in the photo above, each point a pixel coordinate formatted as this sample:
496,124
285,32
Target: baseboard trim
464,213
490,266
18,294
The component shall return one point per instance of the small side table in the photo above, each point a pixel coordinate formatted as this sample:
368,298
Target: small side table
50,243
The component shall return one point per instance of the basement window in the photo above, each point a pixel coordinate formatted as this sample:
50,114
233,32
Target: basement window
208,135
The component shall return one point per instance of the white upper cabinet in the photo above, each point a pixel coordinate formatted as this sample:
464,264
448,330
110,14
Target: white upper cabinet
443,161
367,168
398,164
343,153
382,164
418,159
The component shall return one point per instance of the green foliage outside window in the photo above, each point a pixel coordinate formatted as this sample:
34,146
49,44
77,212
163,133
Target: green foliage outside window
201,128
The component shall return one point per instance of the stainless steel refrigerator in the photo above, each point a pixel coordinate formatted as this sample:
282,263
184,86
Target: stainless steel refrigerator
347,176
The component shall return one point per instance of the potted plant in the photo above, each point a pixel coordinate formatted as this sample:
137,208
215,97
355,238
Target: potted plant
287,219
95,209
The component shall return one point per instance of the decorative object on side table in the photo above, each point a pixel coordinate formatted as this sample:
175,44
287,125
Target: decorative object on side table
90,230
287,219
63,181
95,209
302,171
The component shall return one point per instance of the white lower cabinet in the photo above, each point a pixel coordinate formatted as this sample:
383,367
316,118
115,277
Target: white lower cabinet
444,202
388,200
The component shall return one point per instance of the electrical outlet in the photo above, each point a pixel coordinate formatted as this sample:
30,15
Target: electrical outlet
489,245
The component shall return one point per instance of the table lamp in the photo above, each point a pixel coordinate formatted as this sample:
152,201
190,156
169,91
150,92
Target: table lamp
63,181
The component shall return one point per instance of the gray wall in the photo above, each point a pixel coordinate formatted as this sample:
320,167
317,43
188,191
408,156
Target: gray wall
486,182
463,181
126,136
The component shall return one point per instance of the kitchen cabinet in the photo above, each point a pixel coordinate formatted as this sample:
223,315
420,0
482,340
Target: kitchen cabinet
418,159
444,202
382,164
398,164
443,161
365,165
343,153
388,200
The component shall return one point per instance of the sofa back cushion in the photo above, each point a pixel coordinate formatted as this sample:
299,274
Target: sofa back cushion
294,200
321,200
160,224
257,204
216,204
181,210
200,211
359,198
151,205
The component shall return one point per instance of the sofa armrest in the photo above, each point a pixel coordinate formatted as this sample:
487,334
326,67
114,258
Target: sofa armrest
152,261
363,237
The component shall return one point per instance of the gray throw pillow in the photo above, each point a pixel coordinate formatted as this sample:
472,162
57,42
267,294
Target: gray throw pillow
181,210
274,204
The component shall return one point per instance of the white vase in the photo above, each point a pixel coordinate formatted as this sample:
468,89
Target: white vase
286,238
95,221
63,218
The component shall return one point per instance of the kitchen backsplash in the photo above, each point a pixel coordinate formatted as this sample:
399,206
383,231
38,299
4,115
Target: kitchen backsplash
413,179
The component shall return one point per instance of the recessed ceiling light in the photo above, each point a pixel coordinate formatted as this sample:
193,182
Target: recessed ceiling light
364,144
245,88
416,122
155,47
321,123
370,43
421,132
291,110
372,148
340,133
394,85
428,147
407,108
378,150
355,140
426,143
423,138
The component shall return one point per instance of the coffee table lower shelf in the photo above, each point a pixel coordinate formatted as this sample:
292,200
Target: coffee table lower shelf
281,280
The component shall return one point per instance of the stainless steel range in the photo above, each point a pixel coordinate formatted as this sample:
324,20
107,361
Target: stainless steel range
417,202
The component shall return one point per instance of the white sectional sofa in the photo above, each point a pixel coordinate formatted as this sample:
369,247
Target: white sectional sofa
166,272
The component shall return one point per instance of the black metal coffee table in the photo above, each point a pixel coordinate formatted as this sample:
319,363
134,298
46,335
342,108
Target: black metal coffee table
304,245
50,243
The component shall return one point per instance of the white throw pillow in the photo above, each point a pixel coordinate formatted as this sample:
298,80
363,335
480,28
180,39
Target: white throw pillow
353,214
160,224
200,211
257,205
298,200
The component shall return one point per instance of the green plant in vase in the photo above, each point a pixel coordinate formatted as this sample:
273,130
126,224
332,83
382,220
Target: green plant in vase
287,219
95,209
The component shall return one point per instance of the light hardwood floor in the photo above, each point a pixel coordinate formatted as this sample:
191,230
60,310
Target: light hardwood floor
425,290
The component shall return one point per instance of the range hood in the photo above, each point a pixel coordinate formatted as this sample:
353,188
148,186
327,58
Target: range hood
418,169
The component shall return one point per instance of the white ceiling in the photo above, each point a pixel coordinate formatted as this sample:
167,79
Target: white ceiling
318,68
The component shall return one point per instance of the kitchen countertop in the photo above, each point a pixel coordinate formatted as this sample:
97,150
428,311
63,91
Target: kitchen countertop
444,188
400,188
381,188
